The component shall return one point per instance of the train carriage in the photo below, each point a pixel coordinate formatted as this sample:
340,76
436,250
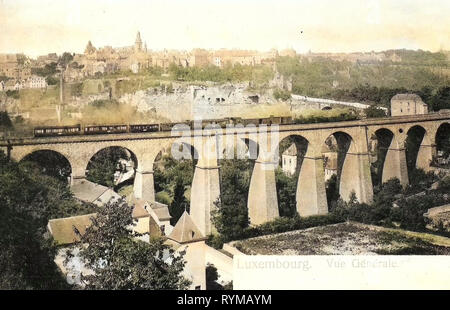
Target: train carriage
144,128
57,131
105,129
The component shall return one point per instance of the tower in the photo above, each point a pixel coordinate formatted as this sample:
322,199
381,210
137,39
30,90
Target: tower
89,48
138,43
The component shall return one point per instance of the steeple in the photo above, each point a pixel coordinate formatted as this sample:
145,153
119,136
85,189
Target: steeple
138,42
89,48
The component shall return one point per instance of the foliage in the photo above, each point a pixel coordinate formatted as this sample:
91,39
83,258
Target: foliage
286,192
5,121
343,116
443,139
47,70
281,94
374,112
4,78
104,164
28,200
410,204
278,225
51,163
119,261
76,89
179,202
51,80
13,94
172,180
231,215
65,58
441,99
376,82
228,73
332,190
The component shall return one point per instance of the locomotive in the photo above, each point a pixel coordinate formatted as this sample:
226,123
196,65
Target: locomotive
139,128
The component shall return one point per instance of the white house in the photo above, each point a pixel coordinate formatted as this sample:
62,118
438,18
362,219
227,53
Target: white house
36,81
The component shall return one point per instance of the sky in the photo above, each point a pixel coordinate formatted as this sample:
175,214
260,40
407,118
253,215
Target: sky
37,27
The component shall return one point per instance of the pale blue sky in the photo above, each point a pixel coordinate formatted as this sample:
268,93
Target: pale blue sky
38,27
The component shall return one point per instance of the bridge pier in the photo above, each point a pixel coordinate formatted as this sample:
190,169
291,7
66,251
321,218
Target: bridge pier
144,187
78,171
427,151
205,191
355,175
262,197
395,163
311,195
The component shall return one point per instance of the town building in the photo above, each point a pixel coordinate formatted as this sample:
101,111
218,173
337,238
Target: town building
14,66
289,160
331,164
36,81
407,104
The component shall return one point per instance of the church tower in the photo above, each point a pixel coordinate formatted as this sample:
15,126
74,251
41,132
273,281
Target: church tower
89,48
138,43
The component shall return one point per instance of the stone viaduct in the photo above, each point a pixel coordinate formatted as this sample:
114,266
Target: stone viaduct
355,175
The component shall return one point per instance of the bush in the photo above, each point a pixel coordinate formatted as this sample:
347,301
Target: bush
374,112
5,121
13,94
281,94
344,116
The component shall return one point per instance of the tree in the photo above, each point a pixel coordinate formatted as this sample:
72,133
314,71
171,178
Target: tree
119,261
231,216
374,112
65,59
286,191
104,164
27,201
179,202
5,121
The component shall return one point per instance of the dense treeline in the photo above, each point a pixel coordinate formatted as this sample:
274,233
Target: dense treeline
228,73
376,83
28,199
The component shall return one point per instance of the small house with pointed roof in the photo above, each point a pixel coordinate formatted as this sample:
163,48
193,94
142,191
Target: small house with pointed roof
185,231
186,237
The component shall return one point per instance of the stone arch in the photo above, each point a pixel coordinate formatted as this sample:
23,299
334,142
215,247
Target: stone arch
416,141
52,163
353,168
379,144
126,158
195,191
292,153
441,154
334,151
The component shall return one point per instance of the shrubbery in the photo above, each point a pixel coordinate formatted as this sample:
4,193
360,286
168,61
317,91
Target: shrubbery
344,116
281,94
279,225
395,206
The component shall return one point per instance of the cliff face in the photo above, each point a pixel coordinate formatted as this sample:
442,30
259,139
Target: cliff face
190,102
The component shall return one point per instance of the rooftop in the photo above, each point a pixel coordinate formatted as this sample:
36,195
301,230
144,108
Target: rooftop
94,193
185,230
63,231
291,151
407,97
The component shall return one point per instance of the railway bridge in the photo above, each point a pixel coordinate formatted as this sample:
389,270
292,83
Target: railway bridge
355,172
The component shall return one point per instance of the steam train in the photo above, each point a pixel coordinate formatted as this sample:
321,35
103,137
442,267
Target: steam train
139,128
